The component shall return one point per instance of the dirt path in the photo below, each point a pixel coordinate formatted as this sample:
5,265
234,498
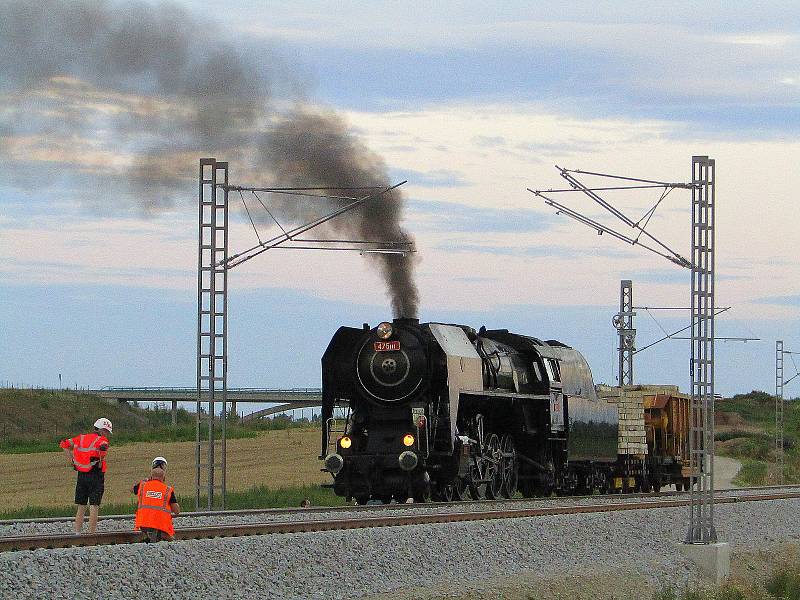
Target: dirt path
725,470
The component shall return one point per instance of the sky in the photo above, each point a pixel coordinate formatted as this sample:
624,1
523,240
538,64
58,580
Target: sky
471,104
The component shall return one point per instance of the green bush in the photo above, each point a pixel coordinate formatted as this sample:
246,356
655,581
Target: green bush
785,582
733,592
753,472
668,593
724,436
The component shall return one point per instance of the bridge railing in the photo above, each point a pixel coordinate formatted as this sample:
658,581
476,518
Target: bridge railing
194,389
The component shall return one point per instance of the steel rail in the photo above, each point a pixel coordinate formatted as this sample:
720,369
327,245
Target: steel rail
399,506
17,543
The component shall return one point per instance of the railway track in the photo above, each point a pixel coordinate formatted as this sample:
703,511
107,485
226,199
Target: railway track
400,507
188,533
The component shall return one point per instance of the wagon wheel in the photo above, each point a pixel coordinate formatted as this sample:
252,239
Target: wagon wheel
494,467
606,487
510,468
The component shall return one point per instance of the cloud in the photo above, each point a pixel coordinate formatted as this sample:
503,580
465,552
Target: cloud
431,215
586,65
792,300
489,141
433,179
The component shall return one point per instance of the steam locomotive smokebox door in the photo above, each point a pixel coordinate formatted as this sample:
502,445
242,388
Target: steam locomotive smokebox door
463,365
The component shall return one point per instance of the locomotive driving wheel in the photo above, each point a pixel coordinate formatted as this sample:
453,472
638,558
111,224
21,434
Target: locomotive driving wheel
477,491
494,467
509,466
459,488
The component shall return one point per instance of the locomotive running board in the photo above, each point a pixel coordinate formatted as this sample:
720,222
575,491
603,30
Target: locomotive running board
496,394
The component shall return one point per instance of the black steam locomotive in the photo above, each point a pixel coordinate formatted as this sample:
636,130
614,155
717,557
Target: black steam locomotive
444,411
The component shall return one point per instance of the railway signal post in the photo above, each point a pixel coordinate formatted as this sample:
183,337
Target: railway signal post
623,321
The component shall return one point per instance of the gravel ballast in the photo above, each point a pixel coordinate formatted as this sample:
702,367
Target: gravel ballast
353,563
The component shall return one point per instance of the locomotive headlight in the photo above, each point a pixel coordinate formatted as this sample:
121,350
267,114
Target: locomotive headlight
408,440
384,330
345,442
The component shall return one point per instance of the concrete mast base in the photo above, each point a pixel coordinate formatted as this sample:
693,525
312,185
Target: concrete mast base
714,560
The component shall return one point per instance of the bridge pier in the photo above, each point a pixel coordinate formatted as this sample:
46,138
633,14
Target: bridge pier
174,413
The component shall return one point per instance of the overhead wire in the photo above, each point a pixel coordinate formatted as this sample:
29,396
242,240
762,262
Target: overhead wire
664,331
247,210
649,214
269,213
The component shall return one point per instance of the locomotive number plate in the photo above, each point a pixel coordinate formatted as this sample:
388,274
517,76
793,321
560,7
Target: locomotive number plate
387,346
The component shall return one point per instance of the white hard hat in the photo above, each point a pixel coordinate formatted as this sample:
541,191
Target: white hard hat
159,460
103,423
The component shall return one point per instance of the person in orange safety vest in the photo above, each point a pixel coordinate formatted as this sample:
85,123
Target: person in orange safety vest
156,503
86,453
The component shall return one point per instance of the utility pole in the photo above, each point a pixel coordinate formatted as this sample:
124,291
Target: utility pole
780,382
779,411
701,425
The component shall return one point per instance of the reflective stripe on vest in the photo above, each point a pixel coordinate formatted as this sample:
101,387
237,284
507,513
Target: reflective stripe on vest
82,452
152,508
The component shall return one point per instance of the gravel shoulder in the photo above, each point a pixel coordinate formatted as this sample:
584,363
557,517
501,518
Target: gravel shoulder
747,566
400,562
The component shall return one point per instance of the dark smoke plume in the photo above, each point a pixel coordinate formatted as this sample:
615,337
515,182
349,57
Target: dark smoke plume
178,90
316,147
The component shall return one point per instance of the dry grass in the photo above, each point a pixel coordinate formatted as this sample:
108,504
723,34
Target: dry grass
276,459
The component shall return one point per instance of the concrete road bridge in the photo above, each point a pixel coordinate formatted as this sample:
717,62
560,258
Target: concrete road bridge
285,399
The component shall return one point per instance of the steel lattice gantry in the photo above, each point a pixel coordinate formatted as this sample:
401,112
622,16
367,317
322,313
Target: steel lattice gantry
212,332
213,403
702,186
627,333
779,411
701,426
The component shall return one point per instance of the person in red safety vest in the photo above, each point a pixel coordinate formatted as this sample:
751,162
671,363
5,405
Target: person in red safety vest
156,503
86,453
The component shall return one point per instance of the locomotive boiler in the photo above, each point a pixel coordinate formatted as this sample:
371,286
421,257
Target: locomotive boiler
442,410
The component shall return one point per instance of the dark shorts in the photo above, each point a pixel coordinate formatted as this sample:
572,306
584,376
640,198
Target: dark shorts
90,488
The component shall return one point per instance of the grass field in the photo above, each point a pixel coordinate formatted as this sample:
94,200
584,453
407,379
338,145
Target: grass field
754,576
284,459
